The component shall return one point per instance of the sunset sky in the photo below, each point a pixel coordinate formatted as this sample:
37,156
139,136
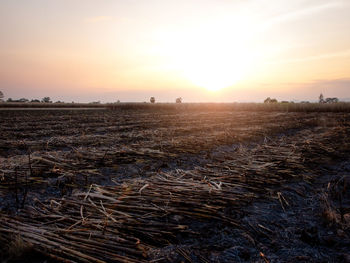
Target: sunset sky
218,50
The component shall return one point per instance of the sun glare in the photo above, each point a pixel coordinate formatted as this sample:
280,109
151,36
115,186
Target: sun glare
212,55
221,69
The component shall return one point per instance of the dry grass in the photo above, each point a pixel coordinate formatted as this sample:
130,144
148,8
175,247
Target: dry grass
231,160
281,107
16,248
329,214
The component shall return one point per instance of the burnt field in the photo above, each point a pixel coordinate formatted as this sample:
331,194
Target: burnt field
174,185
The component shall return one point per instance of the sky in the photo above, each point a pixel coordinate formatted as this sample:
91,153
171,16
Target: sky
200,50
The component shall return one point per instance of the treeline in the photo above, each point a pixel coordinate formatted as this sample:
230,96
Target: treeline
321,100
278,107
24,100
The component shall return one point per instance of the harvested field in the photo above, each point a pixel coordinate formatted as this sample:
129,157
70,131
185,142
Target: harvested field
174,185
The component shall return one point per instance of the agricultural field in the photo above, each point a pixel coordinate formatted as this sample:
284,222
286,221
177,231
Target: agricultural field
175,184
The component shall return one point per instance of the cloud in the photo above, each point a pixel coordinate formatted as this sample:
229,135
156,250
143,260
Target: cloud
331,88
302,12
310,90
96,19
343,53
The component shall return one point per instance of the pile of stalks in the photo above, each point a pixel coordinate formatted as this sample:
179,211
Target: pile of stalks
125,222
130,219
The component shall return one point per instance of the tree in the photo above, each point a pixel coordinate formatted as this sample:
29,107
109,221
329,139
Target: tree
179,100
46,100
332,100
152,100
9,100
321,98
267,100
1,95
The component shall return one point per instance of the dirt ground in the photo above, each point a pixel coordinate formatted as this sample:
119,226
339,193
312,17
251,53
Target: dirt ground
174,186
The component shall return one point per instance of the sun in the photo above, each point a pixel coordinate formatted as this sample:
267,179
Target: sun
219,60
219,70
213,55
214,76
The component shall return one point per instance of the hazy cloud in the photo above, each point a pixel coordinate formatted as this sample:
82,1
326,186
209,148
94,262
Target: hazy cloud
293,15
331,88
96,19
343,53
311,90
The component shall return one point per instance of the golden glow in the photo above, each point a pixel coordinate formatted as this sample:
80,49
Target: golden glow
217,71
236,50
213,55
